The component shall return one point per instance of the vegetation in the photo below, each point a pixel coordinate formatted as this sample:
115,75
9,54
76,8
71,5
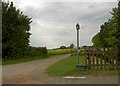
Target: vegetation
109,35
96,41
67,67
72,46
37,51
15,37
22,59
36,54
0,31
15,28
63,47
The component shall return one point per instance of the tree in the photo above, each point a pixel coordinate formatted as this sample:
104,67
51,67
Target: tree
114,28
0,27
72,46
103,35
15,29
62,47
96,41
109,35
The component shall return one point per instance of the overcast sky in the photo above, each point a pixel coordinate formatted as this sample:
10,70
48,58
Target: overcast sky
54,22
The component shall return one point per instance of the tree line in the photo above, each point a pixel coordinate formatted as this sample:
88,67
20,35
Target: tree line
109,35
15,34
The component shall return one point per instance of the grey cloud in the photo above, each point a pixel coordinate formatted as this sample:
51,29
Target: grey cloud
70,12
59,19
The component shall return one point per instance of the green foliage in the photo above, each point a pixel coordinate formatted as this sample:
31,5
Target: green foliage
36,51
109,35
103,35
0,30
15,37
96,41
72,46
15,31
62,47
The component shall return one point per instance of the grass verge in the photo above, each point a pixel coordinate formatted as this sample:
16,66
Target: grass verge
22,59
67,67
25,59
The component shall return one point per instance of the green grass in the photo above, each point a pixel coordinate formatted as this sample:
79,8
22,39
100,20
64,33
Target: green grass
67,67
22,59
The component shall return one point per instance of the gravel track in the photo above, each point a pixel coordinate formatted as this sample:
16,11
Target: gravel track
33,72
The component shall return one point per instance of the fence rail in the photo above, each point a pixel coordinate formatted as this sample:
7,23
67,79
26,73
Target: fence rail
106,58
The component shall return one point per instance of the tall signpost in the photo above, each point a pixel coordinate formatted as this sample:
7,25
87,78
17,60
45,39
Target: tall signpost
78,66
78,28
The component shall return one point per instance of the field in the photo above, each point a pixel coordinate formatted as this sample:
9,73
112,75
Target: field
67,67
58,51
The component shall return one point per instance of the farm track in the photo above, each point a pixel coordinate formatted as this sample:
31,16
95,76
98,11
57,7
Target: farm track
33,72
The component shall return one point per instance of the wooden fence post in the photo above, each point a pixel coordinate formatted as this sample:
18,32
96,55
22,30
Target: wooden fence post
116,55
93,63
85,50
105,58
108,56
89,58
97,58
101,59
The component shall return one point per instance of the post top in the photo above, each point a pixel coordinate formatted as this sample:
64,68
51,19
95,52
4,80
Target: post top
77,26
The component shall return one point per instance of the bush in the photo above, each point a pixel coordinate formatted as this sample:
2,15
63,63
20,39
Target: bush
37,51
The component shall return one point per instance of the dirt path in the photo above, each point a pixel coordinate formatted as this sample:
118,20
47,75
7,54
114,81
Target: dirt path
33,72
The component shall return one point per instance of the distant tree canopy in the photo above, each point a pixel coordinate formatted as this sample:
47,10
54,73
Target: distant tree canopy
109,35
62,47
71,46
15,32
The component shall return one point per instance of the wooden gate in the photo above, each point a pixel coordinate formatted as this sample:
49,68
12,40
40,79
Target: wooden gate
106,58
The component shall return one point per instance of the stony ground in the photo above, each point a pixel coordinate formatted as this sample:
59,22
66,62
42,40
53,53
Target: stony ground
33,72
